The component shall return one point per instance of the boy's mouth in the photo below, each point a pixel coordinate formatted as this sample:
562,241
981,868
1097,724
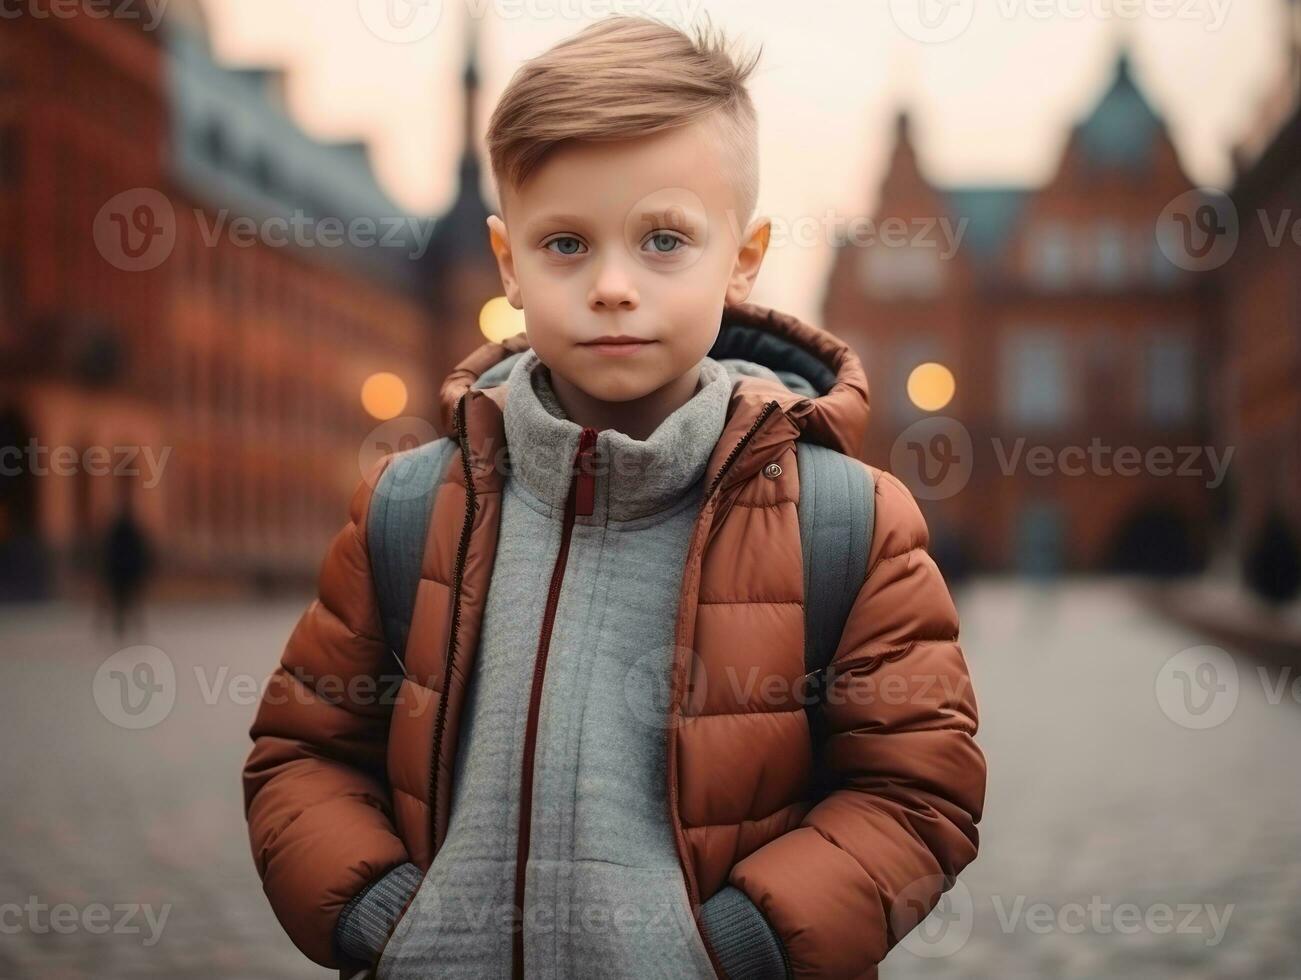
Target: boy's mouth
617,346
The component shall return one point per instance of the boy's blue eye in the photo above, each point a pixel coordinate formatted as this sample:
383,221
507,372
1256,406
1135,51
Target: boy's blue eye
568,245
662,242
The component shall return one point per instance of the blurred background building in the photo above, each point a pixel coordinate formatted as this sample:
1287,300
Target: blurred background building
1058,319
145,307
144,304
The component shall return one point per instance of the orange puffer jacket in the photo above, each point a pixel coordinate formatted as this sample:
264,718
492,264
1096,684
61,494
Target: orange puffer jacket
343,785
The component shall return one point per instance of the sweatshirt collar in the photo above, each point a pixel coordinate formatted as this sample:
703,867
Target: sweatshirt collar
634,478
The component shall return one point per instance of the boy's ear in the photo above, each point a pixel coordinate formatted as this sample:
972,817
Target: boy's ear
754,245
500,243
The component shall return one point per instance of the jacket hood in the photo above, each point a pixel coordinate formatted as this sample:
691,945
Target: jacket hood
815,377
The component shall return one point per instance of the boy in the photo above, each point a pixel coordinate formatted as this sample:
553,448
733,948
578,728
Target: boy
617,516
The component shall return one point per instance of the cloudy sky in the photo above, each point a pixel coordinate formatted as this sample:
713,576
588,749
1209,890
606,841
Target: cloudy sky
993,85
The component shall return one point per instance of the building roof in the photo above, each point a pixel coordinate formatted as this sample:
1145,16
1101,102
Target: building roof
1276,165
1121,131
235,145
990,214
1123,127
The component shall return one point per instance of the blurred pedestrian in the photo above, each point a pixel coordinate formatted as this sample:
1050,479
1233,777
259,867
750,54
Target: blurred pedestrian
127,562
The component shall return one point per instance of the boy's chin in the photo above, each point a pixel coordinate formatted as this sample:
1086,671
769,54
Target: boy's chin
624,391
615,382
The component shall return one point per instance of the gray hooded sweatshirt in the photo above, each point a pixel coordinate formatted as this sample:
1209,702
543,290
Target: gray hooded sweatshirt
604,893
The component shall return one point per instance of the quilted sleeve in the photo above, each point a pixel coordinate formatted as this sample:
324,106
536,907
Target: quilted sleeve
872,857
315,791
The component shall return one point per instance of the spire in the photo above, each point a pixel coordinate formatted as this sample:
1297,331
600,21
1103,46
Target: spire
904,83
1124,71
470,95
1122,41
902,170
902,126
459,233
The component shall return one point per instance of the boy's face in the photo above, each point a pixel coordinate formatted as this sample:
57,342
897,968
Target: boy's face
635,239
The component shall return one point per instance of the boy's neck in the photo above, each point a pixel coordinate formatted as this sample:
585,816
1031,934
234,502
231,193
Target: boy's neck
637,418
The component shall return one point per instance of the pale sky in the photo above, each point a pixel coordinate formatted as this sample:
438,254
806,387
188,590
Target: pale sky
991,105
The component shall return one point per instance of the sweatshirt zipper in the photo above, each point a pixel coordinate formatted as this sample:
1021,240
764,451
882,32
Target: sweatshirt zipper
582,496
580,501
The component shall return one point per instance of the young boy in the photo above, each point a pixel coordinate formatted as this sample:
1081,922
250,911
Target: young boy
599,762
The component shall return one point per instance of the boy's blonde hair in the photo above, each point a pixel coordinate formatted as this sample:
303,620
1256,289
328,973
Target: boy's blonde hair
621,78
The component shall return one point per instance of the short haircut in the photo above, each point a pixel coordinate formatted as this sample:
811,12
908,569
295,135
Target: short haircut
621,78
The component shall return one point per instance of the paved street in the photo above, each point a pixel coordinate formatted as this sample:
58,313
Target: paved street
1120,840
1116,837
97,813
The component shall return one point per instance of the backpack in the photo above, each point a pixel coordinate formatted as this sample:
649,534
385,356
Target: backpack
836,517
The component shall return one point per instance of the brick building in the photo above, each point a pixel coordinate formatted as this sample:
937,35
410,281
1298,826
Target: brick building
1262,292
1058,337
151,299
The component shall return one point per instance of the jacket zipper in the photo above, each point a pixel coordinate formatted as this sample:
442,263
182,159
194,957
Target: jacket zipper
581,500
768,409
458,574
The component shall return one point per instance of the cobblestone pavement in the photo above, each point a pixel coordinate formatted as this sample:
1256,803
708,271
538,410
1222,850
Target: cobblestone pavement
1119,841
95,814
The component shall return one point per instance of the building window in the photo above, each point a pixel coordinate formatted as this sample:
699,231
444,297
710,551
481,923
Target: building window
214,142
902,272
1050,258
1164,272
1034,390
1169,385
1111,258
1040,538
263,173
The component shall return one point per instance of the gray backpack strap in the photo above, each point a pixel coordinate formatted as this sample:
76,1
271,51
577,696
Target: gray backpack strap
837,511
396,527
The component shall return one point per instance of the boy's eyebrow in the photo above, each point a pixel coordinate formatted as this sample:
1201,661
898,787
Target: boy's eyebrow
671,212
556,218
648,216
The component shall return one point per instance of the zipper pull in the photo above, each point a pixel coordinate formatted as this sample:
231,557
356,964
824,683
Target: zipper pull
585,492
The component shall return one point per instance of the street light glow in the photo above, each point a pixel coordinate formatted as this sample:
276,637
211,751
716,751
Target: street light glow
499,320
384,395
931,386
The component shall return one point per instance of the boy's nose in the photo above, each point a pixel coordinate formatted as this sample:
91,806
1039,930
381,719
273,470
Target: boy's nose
612,289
